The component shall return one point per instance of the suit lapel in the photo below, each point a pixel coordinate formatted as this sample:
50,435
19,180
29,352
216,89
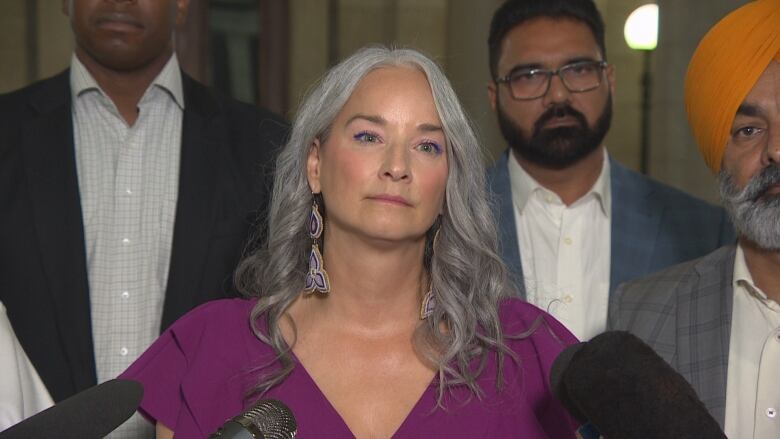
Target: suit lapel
704,329
634,227
201,131
634,224
50,164
501,188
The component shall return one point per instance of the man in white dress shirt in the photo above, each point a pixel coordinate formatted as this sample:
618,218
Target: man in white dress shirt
717,319
127,193
574,223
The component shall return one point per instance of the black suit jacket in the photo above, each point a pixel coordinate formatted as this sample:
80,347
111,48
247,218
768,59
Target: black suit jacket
227,150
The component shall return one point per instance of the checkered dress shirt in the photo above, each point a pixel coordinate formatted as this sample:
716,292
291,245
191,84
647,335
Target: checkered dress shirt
128,182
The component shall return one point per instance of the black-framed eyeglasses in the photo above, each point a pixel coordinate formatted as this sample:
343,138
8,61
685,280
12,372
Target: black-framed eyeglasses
531,83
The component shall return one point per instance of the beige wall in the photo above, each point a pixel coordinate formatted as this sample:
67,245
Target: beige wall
53,48
467,65
423,25
13,56
623,139
55,41
455,33
309,49
675,157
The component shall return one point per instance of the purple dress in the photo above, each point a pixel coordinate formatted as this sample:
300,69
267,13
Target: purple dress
196,376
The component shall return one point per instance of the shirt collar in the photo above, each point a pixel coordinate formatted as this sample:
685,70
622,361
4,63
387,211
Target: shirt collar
169,79
743,278
523,185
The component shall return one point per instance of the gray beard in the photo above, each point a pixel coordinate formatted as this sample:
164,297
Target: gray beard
755,217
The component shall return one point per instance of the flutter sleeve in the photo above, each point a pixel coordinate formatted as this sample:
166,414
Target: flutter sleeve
554,339
538,339
163,366
192,375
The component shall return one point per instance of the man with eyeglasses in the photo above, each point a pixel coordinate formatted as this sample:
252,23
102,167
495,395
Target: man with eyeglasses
574,223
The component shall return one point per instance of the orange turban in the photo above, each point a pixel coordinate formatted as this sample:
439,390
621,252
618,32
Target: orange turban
724,68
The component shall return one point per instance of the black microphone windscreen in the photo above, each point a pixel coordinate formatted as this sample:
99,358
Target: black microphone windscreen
627,391
93,413
557,385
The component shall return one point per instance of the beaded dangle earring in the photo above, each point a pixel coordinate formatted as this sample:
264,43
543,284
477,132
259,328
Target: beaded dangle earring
428,305
429,302
317,277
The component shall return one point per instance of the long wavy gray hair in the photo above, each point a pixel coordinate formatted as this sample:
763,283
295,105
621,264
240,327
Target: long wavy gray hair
467,276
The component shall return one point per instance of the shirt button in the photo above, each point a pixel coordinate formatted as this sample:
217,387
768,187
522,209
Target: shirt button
771,412
567,241
123,352
126,241
568,298
125,294
129,191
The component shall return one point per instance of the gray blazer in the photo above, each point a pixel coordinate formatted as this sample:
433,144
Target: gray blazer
684,314
654,226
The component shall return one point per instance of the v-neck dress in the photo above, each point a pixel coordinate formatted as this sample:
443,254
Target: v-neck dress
198,373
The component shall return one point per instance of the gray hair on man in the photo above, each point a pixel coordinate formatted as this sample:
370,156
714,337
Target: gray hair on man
754,214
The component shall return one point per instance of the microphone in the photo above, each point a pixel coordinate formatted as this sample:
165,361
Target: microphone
268,419
619,385
92,413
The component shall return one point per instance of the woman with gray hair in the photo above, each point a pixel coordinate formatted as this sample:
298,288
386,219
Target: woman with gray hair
377,306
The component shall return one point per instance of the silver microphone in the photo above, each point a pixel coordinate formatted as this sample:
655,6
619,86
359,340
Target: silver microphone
268,419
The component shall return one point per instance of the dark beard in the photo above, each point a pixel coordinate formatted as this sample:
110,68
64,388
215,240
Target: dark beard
556,148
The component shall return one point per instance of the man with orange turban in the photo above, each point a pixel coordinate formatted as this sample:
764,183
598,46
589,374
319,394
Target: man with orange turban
717,319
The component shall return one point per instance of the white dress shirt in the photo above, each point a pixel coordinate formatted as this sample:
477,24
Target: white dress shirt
128,183
22,393
565,250
752,383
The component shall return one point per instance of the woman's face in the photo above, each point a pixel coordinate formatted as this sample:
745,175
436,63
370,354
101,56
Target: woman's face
383,169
